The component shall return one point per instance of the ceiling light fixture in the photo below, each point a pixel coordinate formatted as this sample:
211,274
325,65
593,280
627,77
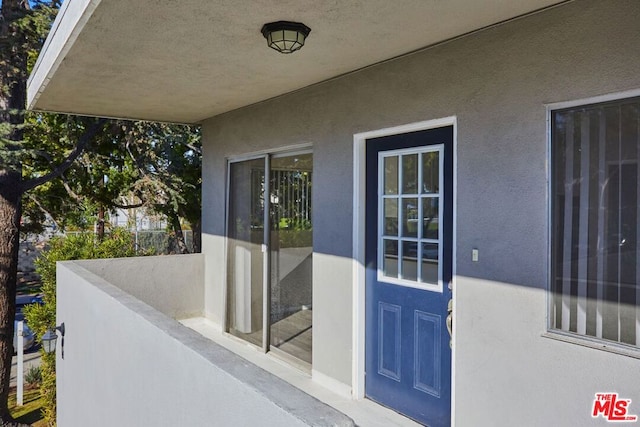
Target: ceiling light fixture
285,36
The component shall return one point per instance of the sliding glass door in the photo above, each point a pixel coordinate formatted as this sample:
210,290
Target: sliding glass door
270,251
245,259
291,252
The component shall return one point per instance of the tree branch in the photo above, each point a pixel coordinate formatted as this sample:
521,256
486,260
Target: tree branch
69,190
82,143
46,212
132,206
191,147
127,207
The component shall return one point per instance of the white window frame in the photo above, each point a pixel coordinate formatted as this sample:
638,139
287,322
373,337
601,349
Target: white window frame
552,332
381,197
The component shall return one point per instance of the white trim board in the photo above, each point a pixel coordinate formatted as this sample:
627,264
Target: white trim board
615,96
359,209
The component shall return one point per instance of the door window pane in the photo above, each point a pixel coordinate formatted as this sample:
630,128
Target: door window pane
410,260
410,174
431,172
390,258
430,218
391,175
391,217
430,263
410,219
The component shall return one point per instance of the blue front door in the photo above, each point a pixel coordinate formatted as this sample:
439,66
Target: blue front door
408,273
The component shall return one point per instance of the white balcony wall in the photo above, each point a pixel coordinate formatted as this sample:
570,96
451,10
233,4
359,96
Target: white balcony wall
127,364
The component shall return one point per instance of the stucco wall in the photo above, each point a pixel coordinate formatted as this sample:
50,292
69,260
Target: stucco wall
172,284
497,84
127,364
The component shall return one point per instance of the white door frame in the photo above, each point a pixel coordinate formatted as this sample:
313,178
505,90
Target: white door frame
358,256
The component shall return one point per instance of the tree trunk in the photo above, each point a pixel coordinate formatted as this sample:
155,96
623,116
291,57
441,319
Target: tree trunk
100,224
179,235
196,228
13,91
9,244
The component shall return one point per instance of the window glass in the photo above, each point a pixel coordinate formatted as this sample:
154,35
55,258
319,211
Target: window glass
431,172
430,215
595,216
410,174
410,217
430,263
391,217
245,259
291,254
391,175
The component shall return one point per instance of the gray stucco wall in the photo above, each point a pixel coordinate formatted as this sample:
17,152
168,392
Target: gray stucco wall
497,84
127,364
172,284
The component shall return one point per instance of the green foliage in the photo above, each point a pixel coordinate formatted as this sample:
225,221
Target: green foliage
117,244
95,179
295,239
168,159
128,164
33,376
48,387
22,33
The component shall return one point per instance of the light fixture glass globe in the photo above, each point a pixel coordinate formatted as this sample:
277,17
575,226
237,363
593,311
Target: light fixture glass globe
49,340
284,36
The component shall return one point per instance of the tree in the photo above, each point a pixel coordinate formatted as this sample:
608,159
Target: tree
128,165
22,31
90,185
75,198
28,171
168,179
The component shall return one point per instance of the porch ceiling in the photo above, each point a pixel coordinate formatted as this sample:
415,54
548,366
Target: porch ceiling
187,60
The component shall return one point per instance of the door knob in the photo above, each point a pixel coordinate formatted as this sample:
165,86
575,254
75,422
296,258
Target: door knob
450,321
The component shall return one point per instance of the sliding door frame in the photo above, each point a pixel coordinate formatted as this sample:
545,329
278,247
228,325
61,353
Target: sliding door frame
266,156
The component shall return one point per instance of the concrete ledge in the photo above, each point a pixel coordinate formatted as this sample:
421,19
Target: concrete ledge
127,364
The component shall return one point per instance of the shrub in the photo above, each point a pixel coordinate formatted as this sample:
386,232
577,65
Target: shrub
33,376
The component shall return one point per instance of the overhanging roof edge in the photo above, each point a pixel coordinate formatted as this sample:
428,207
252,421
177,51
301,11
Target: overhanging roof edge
74,14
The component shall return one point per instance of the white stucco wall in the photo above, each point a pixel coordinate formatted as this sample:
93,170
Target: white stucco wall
127,364
497,84
172,284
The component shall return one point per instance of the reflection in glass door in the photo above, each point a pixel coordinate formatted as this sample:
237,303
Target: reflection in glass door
269,271
291,252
